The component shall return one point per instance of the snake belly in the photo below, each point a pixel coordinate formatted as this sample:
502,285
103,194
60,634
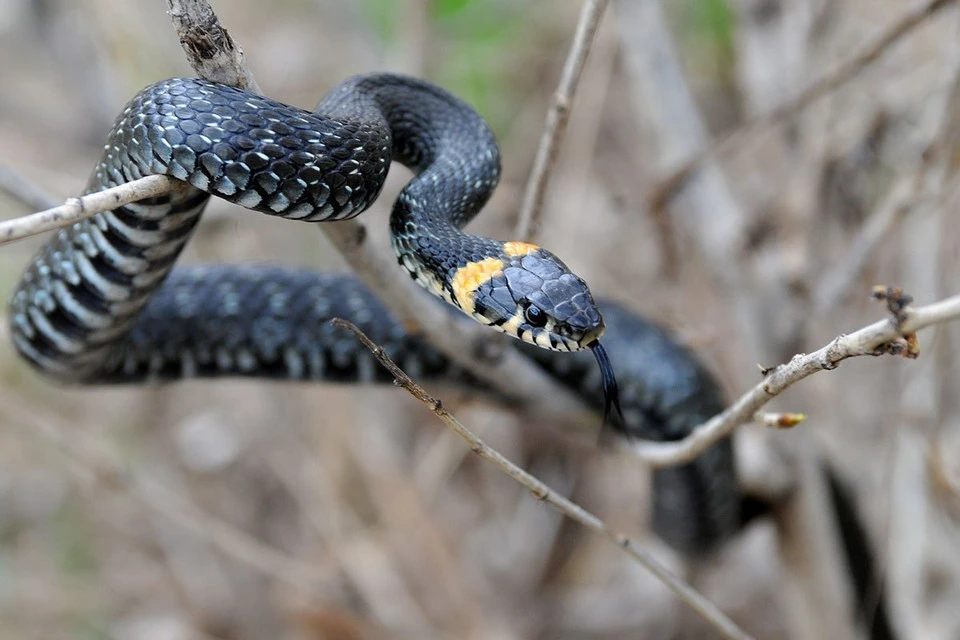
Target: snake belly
101,303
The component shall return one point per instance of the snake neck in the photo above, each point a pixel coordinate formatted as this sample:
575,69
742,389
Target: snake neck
456,160
433,251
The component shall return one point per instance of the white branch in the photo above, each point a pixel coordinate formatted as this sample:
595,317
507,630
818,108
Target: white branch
886,336
76,209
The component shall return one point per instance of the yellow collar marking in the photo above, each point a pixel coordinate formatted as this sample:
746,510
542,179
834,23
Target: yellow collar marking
469,277
517,248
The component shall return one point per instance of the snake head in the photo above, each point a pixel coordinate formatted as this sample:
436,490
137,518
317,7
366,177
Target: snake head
529,293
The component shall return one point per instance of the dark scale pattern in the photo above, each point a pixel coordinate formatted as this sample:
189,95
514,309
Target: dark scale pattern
251,150
457,162
198,324
84,288
99,303
458,165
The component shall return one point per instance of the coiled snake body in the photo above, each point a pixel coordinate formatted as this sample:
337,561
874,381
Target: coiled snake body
100,302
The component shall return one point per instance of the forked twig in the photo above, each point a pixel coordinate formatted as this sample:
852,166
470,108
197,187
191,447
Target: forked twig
542,492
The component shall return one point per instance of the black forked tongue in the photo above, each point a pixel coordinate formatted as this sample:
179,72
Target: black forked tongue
611,397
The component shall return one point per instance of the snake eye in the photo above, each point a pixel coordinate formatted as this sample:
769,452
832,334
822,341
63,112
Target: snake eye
535,316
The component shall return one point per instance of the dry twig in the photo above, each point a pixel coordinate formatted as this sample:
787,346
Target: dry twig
18,188
542,492
76,209
210,50
892,336
831,81
558,115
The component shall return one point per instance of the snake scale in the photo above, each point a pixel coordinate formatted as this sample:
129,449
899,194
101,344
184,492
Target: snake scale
102,304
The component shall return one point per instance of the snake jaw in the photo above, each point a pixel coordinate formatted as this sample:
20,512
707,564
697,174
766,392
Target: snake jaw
611,395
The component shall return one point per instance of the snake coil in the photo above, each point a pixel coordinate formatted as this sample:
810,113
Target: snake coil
102,304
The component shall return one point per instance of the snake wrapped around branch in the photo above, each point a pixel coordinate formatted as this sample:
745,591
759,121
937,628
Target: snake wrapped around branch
101,303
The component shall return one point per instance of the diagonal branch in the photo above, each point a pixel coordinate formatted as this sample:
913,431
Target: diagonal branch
460,339
833,80
726,627
14,185
209,48
892,336
555,126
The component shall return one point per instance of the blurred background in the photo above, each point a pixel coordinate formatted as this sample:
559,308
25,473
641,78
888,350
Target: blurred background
252,510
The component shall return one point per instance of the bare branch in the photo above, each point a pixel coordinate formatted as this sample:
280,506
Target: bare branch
16,187
892,336
835,283
210,50
558,115
76,209
459,338
542,492
831,81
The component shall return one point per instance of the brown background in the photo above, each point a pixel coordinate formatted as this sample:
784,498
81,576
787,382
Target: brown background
293,511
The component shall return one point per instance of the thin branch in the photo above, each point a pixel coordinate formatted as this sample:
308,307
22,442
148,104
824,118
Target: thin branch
558,115
542,492
835,283
891,336
91,463
76,209
23,191
470,345
831,81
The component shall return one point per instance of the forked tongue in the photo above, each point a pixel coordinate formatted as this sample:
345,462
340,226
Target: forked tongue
611,397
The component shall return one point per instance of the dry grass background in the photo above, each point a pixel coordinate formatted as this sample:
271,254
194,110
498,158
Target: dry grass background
244,510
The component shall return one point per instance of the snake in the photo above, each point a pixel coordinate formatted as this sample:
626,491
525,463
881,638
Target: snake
103,303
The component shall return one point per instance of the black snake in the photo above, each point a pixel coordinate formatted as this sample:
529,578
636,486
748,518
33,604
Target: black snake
101,304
